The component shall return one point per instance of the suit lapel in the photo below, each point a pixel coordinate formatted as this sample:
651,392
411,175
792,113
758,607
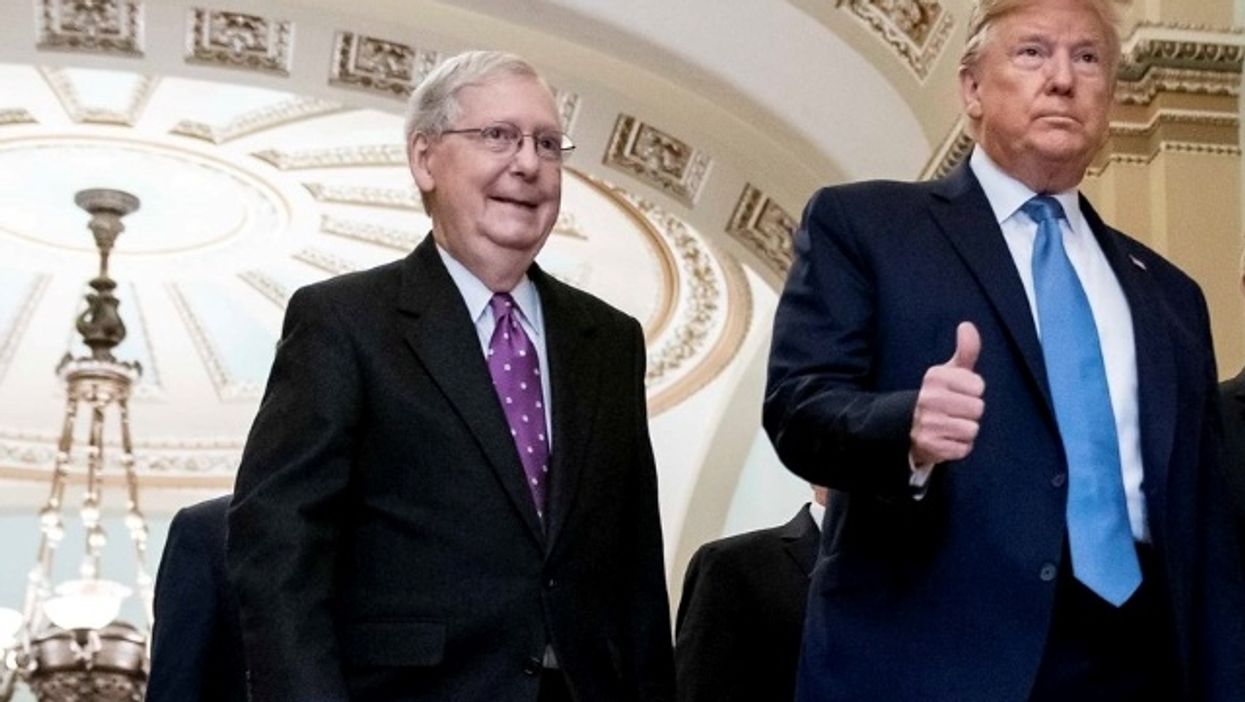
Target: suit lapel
1156,362
574,371
800,539
960,207
443,336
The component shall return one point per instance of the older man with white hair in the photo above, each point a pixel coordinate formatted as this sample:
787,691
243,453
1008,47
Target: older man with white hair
449,491
1014,407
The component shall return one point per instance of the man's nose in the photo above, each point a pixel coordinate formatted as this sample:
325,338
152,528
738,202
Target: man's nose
525,159
1060,74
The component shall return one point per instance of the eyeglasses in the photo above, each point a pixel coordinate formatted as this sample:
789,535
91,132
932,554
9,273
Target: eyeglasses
505,138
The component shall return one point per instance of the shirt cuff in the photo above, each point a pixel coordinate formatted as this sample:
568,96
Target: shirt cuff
918,478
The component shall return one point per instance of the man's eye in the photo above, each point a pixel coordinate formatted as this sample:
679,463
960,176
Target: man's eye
549,143
495,133
1088,57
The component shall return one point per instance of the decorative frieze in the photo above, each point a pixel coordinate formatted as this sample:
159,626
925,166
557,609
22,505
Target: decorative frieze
379,65
267,286
227,387
277,115
764,227
239,40
16,116
325,261
956,147
17,327
917,30
389,237
395,198
62,85
658,159
340,157
99,26
568,107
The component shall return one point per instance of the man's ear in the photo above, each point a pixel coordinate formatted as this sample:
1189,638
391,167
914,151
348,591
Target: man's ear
970,93
419,157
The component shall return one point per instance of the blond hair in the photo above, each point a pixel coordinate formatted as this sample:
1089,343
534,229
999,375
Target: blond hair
987,12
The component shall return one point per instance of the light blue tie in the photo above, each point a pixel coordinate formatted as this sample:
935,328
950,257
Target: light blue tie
1099,536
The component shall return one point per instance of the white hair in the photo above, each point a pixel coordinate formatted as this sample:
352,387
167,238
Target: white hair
433,106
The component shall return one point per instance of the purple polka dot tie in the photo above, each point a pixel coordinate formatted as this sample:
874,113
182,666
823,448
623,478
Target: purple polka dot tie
515,368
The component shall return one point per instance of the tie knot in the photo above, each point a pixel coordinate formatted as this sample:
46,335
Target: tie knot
1043,208
502,305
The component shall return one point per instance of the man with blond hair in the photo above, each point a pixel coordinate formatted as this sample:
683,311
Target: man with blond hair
1014,407
449,493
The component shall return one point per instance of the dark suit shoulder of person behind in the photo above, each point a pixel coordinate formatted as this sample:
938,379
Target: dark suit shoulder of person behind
196,651
742,612
1232,403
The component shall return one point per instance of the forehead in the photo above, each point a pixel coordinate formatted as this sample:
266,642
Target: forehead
1072,20
521,100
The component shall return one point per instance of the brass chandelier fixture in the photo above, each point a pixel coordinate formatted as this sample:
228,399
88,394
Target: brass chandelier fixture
67,644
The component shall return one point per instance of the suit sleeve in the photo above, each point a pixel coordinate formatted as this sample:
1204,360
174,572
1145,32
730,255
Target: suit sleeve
1219,633
827,422
648,620
185,614
283,532
709,641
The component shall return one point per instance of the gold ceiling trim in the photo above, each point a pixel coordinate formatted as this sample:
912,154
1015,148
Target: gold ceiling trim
657,159
266,285
403,240
667,267
1184,147
337,157
916,30
364,196
268,117
16,115
62,85
724,350
96,26
227,388
239,40
17,328
764,228
390,68
325,261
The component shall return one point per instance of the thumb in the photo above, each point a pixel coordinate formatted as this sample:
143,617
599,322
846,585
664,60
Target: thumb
967,346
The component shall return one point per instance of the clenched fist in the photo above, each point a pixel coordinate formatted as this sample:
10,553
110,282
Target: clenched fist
949,404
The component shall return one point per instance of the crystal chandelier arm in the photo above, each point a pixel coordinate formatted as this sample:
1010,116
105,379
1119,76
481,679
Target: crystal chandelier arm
96,538
135,522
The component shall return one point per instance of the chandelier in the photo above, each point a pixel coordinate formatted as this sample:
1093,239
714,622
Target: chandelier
67,644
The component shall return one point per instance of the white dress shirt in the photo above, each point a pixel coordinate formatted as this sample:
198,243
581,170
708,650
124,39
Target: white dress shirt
1111,312
477,296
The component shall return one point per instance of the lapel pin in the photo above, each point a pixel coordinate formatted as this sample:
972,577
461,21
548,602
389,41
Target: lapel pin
1137,262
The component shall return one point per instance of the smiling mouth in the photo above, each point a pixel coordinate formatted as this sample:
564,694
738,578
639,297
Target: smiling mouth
511,201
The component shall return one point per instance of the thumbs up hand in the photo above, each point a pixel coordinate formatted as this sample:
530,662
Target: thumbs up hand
949,404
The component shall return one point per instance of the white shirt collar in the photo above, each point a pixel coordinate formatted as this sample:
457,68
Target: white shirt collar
818,513
1006,194
477,296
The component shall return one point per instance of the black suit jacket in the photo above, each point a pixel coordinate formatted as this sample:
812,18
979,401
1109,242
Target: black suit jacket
1232,403
196,644
950,597
742,612
383,541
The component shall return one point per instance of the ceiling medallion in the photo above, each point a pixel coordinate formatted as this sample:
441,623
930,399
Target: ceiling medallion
239,40
764,227
657,158
99,26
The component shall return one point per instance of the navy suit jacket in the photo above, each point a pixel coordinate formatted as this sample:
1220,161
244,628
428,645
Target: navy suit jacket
383,541
196,647
950,597
742,613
